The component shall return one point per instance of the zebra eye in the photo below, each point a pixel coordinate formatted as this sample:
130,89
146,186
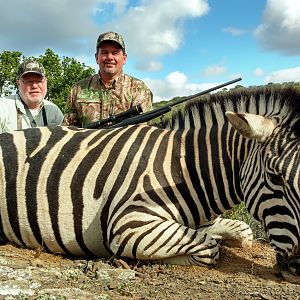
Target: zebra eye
275,179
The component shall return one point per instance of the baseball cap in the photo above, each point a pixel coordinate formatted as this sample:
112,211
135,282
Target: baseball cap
31,66
111,36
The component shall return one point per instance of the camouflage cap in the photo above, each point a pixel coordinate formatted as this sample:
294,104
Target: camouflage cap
111,36
31,66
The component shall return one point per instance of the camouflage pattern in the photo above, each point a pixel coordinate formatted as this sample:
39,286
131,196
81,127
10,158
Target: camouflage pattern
31,66
91,101
110,36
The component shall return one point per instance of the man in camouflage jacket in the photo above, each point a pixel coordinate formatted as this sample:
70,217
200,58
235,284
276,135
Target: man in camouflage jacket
109,92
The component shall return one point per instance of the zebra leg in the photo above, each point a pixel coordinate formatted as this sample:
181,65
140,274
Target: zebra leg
234,233
164,241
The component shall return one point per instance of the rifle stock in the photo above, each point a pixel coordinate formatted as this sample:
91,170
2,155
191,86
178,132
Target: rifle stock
133,111
134,116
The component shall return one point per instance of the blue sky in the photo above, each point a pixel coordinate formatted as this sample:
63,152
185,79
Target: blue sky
178,47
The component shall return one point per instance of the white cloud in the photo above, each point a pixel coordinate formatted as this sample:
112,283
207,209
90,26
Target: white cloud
151,28
280,27
213,70
155,28
149,66
259,72
233,31
285,75
33,26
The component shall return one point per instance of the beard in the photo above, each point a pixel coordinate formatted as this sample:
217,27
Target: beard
33,100
110,70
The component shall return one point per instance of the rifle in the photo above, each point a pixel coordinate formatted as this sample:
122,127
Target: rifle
104,123
134,116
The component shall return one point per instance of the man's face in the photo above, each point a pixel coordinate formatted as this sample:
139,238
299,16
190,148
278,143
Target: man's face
32,89
111,59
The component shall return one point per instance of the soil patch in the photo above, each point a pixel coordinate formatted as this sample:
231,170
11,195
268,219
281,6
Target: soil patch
240,274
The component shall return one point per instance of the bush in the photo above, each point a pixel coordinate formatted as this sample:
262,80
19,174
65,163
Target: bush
240,212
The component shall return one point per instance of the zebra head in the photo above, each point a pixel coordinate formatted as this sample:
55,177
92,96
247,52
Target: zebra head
272,192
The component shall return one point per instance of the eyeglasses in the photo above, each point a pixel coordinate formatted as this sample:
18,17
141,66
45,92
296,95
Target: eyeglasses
39,82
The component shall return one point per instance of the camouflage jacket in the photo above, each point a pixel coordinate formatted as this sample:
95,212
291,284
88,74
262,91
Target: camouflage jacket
91,101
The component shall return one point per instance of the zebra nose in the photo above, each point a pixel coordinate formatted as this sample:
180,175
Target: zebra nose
289,267
294,265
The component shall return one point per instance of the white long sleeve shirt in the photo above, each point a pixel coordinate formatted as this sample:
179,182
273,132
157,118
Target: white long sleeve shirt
10,106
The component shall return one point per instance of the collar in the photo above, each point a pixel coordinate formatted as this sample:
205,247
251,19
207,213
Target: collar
21,106
117,79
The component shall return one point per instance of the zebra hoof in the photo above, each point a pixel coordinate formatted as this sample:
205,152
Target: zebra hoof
237,243
247,243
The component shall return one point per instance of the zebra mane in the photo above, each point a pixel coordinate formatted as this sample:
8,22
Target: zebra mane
281,103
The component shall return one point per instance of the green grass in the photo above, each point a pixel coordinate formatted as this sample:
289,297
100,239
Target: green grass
240,212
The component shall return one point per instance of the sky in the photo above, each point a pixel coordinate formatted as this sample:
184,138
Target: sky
178,47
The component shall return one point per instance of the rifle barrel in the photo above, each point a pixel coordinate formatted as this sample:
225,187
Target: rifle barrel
149,115
133,116
204,92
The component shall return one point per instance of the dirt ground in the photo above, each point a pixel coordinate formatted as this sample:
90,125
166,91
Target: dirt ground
239,274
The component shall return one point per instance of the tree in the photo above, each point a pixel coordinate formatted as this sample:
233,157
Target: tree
9,63
62,73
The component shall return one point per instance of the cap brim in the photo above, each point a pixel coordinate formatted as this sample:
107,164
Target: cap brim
35,72
109,40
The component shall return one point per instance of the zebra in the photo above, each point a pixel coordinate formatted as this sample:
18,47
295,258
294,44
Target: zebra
153,193
266,155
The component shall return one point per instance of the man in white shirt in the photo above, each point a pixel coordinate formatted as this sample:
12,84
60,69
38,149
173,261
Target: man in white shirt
28,108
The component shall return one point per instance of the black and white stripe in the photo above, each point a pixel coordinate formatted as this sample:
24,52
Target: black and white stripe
156,194
261,157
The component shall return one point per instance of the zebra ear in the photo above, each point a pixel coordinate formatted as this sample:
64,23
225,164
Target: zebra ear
251,126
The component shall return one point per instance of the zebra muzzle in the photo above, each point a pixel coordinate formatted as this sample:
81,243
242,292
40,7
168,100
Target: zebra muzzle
294,265
289,267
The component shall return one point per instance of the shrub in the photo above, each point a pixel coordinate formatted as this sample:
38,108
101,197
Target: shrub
240,212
